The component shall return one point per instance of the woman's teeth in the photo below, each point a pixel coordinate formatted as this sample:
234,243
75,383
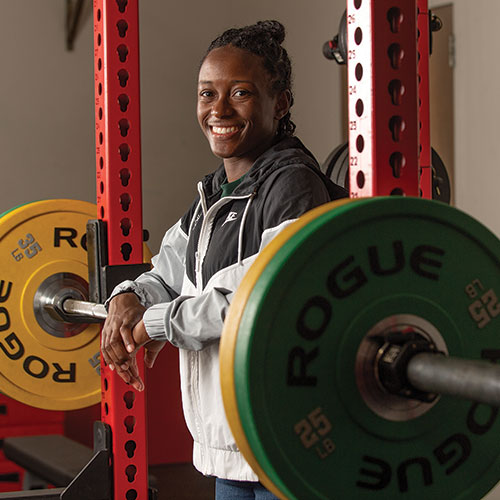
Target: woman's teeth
224,130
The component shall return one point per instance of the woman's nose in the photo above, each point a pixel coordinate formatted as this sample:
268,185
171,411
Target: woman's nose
221,108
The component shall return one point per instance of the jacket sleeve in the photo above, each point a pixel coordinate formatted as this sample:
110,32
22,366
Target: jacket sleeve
193,322
163,283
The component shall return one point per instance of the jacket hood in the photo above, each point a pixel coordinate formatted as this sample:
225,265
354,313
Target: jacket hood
288,151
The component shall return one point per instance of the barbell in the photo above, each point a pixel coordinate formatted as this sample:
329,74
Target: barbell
357,358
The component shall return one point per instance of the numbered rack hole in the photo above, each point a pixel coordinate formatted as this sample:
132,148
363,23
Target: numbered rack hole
360,180
106,408
358,71
357,3
358,36
122,26
125,226
101,162
123,102
395,18
397,161
396,91
99,64
360,143
131,471
130,447
125,201
124,150
122,52
131,495
105,384
397,192
129,398
123,77
98,15
397,126
360,107
129,423
126,250
124,125
396,55
101,187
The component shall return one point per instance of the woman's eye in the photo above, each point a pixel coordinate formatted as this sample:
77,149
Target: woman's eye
206,93
241,93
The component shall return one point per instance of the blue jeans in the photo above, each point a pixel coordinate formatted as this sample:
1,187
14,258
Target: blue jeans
225,489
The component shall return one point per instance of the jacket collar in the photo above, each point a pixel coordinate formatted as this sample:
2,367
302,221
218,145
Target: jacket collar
285,152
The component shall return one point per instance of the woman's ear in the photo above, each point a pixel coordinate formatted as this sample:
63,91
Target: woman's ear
282,104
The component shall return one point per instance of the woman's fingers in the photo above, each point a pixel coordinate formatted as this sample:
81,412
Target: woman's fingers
117,343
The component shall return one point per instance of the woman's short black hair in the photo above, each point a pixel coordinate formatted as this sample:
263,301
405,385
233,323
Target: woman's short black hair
264,39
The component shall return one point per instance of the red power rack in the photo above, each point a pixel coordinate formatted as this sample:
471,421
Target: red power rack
383,98
119,202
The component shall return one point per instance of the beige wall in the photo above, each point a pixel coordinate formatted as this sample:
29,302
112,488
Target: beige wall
477,108
46,97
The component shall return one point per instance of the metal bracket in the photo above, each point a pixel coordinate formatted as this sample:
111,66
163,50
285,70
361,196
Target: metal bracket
73,17
102,276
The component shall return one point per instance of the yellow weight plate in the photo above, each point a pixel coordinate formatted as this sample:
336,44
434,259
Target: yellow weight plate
230,334
43,362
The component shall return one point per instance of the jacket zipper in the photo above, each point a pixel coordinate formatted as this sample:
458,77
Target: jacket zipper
206,229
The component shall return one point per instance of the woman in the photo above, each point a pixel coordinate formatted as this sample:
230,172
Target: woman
267,180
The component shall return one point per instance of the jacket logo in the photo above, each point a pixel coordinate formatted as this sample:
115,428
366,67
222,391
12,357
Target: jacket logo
230,217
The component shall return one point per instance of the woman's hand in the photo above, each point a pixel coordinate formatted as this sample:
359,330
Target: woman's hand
118,344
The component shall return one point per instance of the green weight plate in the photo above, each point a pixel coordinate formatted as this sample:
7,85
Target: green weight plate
294,350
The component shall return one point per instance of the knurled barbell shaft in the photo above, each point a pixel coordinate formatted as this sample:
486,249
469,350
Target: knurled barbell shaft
83,308
469,379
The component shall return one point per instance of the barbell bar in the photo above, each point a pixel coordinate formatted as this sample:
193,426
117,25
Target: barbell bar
429,372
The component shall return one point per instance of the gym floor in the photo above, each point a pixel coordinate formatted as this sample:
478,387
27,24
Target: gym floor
181,482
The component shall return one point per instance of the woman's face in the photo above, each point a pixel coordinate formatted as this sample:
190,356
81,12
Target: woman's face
237,110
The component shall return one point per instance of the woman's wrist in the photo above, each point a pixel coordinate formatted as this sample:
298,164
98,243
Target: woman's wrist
140,335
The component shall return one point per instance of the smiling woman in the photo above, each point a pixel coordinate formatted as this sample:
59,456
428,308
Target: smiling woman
267,179
238,110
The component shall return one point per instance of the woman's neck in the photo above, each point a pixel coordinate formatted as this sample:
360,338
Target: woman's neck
236,168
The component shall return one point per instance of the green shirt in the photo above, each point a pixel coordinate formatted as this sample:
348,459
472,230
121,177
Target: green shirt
229,187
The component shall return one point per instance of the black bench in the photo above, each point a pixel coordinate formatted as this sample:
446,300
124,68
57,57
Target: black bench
54,458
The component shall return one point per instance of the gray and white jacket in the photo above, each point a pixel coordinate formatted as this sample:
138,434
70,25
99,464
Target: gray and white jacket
201,262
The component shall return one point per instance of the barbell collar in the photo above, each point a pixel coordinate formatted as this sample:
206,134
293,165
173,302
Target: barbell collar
468,379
